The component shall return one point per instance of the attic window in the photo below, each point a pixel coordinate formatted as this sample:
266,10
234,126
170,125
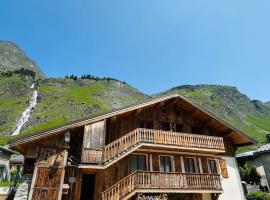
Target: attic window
146,124
179,128
196,130
178,112
165,126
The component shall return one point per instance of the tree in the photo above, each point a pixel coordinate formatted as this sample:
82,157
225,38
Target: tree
249,174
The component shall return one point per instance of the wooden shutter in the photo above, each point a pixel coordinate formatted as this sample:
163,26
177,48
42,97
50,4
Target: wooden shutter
223,168
94,136
48,178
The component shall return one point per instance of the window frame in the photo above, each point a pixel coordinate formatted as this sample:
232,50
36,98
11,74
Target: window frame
195,161
172,163
216,164
146,161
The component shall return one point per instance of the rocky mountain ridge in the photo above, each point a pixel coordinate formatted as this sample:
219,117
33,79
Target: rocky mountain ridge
13,58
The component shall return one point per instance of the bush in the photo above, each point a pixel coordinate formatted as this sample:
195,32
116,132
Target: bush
249,174
258,195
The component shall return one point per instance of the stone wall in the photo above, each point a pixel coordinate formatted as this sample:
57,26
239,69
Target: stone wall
23,189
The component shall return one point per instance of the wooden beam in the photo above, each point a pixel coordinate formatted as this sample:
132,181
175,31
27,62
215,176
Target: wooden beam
194,112
114,118
160,104
209,122
138,112
229,133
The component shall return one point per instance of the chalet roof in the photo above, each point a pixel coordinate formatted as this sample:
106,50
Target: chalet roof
7,150
245,139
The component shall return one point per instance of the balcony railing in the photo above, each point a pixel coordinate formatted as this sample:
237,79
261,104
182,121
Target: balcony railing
185,140
155,137
160,181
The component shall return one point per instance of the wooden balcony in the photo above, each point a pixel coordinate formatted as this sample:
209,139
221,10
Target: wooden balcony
156,138
161,182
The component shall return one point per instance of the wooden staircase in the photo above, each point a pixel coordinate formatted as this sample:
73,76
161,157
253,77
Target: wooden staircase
130,142
162,182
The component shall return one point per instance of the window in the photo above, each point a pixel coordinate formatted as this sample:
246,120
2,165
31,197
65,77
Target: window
146,124
165,164
212,166
190,165
196,130
138,162
165,126
179,128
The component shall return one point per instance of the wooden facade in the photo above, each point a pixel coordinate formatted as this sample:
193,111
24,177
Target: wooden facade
170,147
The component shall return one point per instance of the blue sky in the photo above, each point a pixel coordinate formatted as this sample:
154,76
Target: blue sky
151,44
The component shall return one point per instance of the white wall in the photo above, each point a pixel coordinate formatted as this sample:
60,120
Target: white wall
232,186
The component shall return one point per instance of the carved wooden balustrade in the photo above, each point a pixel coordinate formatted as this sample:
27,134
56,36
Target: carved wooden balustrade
192,141
156,137
150,182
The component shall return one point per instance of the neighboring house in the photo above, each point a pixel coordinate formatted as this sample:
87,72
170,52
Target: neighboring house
168,147
5,155
260,158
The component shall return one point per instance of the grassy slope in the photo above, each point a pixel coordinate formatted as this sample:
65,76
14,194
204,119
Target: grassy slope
14,94
63,100
60,101
234,107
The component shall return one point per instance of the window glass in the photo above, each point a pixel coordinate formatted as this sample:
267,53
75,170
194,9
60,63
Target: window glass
212,166
179,128
197,130
165,126
190,165
165,164
138,162
146,124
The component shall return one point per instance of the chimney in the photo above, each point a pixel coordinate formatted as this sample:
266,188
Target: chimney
268,138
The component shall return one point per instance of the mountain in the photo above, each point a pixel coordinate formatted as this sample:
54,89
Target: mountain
267,104
251,116
13,58
61,100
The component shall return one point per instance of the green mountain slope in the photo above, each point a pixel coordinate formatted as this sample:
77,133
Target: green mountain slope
14,96
251,116
59,100
64,100
13,58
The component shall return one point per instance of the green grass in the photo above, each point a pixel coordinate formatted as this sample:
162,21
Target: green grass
42,127
14,94
4,140
262,122
5,184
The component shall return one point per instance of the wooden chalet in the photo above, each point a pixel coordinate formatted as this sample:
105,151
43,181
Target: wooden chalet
167,146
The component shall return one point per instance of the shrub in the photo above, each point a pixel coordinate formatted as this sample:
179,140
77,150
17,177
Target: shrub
258,195
249,174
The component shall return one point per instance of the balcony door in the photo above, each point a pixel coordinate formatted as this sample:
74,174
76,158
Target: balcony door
138,162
